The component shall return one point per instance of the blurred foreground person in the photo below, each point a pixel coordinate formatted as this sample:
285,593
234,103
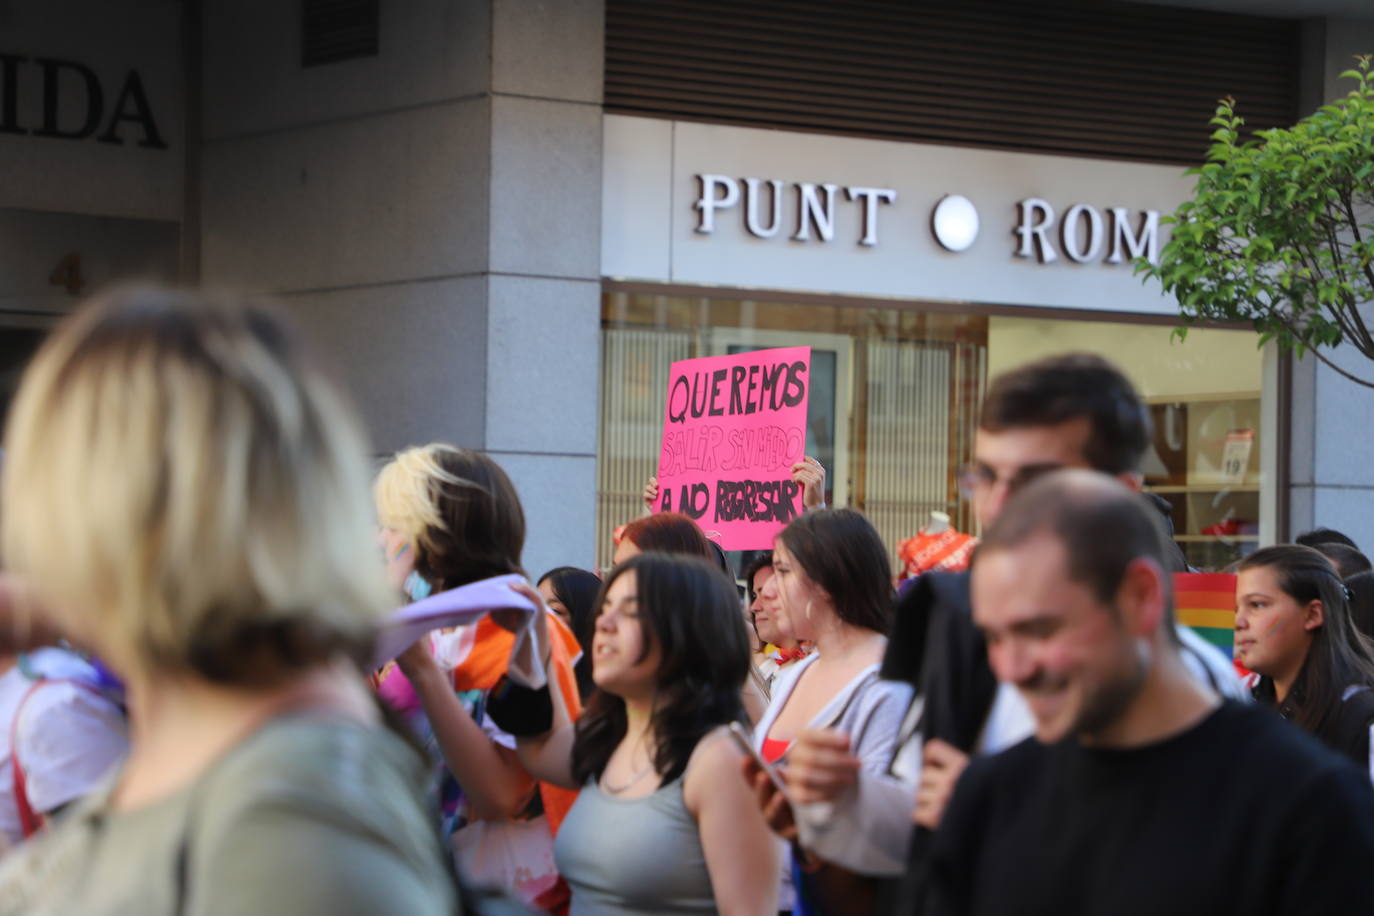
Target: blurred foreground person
187,497
1294,629
664,823
1142,791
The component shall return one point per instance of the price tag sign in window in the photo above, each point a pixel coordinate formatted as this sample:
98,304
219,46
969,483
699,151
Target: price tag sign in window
1235,455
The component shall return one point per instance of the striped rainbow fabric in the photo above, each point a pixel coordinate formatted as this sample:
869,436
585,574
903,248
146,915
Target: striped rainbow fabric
1207,603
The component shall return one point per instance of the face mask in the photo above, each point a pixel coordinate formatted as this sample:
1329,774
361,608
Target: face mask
416,587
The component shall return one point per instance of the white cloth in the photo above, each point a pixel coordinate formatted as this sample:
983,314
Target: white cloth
1211,666
464,605
69,738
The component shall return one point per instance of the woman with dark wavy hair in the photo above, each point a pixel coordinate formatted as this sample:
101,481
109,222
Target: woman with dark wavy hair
1293,628
664,823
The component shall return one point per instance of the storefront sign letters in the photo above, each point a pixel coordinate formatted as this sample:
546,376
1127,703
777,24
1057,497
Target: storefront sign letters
77,85
1082,235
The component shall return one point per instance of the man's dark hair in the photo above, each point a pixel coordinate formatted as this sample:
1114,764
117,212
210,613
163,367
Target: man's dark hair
1361,587
1345,558
1061,388
1324,536
1103,526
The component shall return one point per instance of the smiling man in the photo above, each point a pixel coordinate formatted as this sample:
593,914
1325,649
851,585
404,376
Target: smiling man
1141,792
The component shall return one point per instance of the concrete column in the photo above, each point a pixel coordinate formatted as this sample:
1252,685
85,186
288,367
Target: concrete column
432,215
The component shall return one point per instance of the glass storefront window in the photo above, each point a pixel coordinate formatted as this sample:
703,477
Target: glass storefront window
895,400
1206,400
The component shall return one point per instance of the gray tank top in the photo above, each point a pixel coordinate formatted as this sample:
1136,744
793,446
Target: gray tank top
633,857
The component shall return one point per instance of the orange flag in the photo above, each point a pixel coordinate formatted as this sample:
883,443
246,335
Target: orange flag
479,657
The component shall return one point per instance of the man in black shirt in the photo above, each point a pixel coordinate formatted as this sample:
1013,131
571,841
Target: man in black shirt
1142,792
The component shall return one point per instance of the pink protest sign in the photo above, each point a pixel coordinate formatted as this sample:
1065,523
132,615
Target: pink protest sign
732,429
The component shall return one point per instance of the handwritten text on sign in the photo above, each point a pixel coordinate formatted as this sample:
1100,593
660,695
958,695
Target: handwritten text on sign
732,429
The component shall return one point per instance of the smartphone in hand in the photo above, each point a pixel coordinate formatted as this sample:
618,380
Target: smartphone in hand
745,744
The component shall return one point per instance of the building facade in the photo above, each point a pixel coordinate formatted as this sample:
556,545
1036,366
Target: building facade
503,220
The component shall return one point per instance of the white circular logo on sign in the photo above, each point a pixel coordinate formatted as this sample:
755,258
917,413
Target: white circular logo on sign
955,222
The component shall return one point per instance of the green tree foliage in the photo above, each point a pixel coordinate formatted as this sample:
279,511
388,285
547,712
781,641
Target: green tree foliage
1280,230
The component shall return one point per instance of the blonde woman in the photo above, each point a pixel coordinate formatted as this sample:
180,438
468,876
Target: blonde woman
186,496
450,516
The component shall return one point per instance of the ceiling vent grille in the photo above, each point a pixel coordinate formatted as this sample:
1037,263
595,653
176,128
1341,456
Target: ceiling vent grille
1084,77
338,30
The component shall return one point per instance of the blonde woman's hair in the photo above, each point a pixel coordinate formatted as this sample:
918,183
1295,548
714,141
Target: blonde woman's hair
189,494
457,508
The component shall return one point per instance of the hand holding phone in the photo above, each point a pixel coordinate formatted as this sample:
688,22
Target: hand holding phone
745,744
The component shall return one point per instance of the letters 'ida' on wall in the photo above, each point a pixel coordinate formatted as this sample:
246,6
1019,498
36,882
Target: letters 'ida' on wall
741,207
93,117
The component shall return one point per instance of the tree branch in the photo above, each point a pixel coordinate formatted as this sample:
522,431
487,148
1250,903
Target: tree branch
1348,200
1317,353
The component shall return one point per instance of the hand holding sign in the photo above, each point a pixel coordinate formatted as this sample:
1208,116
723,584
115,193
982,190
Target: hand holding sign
734,435
810,473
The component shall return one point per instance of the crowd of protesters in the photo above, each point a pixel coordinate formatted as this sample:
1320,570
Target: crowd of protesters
198,556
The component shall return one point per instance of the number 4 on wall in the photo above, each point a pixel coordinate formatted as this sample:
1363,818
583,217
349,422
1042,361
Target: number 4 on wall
67,274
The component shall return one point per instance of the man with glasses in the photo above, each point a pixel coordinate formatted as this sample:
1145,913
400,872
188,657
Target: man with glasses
1070,411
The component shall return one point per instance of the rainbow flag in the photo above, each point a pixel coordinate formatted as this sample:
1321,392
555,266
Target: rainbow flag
1207,603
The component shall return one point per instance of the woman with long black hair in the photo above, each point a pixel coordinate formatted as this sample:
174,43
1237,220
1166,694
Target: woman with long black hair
664,823
1293,628
570,594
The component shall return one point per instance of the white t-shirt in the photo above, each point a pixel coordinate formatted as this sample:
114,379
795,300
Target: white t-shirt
69,738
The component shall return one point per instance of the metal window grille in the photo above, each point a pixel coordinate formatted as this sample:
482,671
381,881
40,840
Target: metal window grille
339,30
922,402
634,387
1060,76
